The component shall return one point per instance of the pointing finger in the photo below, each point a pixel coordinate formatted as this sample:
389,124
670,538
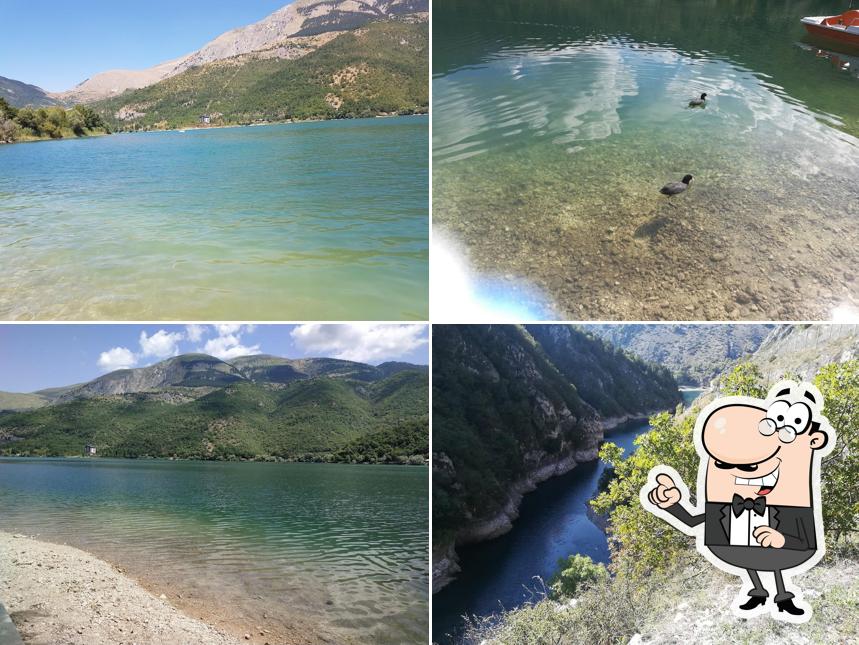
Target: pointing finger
665,480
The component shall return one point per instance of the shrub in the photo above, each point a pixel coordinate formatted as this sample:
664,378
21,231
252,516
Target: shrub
8,130
744,380
839,384
575,573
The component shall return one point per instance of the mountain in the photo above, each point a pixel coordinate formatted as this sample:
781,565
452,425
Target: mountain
273,369
299,20
513,406
379,69
19,94
695,354
16,401
189,370
613,382
199,407
202,372
801,350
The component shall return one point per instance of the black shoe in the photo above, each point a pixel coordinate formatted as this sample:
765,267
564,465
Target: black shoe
754,601
789,607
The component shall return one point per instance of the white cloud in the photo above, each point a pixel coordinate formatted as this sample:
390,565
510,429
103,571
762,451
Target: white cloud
226,330
364,343
228,344
117,358
161,344
195,333
229,330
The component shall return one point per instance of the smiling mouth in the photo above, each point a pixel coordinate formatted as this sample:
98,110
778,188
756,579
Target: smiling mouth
766,483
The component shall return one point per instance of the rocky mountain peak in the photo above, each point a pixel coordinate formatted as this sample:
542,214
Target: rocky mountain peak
300,18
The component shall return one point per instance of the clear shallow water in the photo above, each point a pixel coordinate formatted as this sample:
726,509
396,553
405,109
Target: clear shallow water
332,550
556,125
554,522
324,221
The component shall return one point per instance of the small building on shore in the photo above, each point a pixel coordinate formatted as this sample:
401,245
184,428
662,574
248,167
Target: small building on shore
206,119
89,450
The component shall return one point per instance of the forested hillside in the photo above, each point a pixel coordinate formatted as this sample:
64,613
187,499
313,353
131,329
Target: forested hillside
695,354
197,407
513,406
378,69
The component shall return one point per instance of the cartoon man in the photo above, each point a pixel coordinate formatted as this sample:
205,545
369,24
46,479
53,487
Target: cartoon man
758,503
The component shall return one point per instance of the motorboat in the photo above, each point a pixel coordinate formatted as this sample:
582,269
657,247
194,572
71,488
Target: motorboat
843,28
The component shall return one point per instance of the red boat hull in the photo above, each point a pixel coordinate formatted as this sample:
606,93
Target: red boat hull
832,34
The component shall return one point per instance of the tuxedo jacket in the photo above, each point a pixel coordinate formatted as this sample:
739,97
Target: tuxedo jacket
796,523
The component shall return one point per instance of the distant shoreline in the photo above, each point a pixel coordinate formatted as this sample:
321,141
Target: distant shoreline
197,127
95,135
260,460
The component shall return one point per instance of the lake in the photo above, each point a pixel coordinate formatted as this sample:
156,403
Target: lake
554,522
303,550
556,124
309,221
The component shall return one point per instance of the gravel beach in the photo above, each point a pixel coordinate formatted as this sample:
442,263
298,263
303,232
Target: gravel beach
58,594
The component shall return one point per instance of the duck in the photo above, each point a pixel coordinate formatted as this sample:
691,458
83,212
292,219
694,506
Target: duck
676,187
700,102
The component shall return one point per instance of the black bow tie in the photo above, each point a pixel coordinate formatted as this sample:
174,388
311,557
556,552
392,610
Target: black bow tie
738,504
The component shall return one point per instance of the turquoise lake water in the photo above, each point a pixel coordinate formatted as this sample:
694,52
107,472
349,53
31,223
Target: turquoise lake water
554,522
556,123
311,221
303,550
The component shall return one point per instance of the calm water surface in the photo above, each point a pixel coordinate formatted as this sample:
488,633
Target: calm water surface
332,550
556,123
324,221
554,522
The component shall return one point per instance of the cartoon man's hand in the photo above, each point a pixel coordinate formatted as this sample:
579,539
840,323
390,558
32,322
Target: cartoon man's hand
768,536
666,493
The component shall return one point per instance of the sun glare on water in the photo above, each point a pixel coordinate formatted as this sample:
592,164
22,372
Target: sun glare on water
845,313
459,295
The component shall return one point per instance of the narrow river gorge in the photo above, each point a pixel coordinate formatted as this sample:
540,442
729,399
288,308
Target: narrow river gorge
554,522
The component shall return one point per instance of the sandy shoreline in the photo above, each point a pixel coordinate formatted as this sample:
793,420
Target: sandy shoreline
59,594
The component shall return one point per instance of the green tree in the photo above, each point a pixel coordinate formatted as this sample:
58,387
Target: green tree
745,380
839,384
27,118
650,544
92,120
77,122
575,573
8,130
6,110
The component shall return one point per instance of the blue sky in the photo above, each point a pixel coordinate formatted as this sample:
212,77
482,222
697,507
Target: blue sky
56,45
33,357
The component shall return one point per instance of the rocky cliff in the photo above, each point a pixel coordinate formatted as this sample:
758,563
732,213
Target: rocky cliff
506,417
695,354
803,349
